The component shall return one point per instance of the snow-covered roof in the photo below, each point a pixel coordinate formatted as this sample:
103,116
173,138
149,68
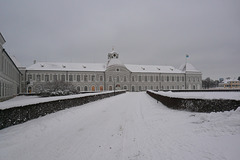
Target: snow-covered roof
187,67
152,69
53,66
67,66
112,62
228,80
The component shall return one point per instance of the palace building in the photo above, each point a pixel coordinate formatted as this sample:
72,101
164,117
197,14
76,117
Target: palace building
112,75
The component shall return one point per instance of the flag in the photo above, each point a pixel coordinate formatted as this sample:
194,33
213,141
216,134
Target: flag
187,55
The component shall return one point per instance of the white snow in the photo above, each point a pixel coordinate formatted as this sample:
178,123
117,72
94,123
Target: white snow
27,100
187,67
125,127
56,66
152,69
201,95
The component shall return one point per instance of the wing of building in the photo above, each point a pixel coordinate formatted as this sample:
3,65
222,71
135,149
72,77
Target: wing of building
9,74
112,75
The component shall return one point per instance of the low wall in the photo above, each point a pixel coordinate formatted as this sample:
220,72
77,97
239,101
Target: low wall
17,115
197,105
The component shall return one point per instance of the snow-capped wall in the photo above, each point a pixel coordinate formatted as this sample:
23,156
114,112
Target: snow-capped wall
196,105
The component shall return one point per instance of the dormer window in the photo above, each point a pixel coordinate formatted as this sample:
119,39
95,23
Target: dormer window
143,68
117,69
63,66
42,65
158,68
84,66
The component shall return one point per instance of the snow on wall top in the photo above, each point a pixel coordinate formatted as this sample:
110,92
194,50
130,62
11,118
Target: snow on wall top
201,95
49,66
188,67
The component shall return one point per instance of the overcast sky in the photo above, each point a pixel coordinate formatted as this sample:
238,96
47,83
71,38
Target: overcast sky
150,32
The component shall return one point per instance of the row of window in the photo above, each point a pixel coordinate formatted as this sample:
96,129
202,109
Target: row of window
71,78
93,78
7,89
8,68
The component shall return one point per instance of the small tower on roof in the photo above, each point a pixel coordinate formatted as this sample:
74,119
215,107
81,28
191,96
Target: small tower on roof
113,54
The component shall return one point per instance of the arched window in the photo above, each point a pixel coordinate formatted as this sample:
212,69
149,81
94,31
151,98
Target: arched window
85,88
101,88
139,88
110,88
133,88
93,88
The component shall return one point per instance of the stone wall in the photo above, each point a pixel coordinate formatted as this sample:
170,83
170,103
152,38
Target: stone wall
21,114
197,105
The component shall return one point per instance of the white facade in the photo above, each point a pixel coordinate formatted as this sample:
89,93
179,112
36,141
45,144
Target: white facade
9,74
106,76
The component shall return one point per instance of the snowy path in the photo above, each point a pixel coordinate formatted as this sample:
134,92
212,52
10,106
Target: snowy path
131,126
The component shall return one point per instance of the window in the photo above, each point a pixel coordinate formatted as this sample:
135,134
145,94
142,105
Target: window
85,78
46,78
29,77
101,78
38,77
93,78
151,78
63,78
167,78
78,78
172,78
85,88
118,79
125,78
70,78
133,78
140,79
133,88
110,79
55,78
146,78
177,79
156,78
139,88
182,78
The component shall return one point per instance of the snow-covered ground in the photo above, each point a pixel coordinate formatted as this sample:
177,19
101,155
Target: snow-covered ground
125,127
201,95
26,100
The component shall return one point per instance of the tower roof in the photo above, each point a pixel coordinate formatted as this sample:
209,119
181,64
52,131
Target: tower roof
187,67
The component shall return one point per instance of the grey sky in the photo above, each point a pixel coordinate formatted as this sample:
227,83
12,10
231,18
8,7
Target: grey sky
142,31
